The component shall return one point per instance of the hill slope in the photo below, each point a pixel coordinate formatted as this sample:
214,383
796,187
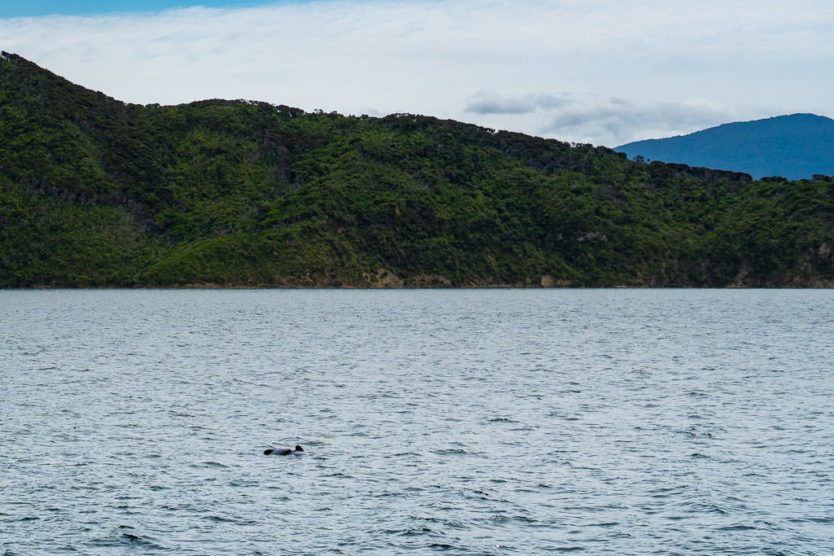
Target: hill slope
796,146
95,192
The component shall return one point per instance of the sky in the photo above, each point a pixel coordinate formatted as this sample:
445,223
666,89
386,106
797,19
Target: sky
605,72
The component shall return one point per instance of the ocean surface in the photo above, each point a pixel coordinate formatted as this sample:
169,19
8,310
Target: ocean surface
474,422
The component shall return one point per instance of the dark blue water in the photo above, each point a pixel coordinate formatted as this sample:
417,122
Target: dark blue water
502,421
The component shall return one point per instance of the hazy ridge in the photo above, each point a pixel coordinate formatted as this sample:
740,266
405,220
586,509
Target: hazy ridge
795,146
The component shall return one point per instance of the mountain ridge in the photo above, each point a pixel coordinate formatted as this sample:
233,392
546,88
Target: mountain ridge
98,193
793,146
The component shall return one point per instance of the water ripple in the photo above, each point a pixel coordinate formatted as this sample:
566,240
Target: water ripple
487,422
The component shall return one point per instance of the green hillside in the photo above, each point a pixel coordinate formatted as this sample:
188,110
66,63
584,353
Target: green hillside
95,192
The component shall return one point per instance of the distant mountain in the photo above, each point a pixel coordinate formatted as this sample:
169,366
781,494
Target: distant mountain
795,146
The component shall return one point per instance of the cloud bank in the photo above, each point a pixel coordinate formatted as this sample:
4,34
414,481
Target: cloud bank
590,115
600,71
492,103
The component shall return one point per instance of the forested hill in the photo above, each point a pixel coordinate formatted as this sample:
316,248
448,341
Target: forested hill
95,192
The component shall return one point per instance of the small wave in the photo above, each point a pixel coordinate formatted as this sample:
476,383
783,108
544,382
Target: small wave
501,519
410,532
738,527
605,524
389,494
215,464
451,523
481,494
667,492
451,452
242,483
124,538
823,520
139,540
710,508
221,519
695,431
501,420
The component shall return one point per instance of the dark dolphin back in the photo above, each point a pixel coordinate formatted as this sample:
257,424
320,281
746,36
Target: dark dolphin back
282,451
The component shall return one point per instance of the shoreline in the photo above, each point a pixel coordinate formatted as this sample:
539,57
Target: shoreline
214,286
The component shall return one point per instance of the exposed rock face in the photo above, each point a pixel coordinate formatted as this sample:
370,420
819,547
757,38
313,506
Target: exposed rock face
430,281
549,281
384,278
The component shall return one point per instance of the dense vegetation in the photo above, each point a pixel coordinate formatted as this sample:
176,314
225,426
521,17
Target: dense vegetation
95,192
795,146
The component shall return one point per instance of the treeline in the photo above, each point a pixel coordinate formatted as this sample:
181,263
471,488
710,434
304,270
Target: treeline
95,192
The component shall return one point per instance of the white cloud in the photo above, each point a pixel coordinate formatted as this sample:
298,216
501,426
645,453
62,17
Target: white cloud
614,121
484,102
537,58
592,118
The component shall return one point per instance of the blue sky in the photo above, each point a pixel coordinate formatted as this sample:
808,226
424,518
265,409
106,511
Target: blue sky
31,8
598,71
